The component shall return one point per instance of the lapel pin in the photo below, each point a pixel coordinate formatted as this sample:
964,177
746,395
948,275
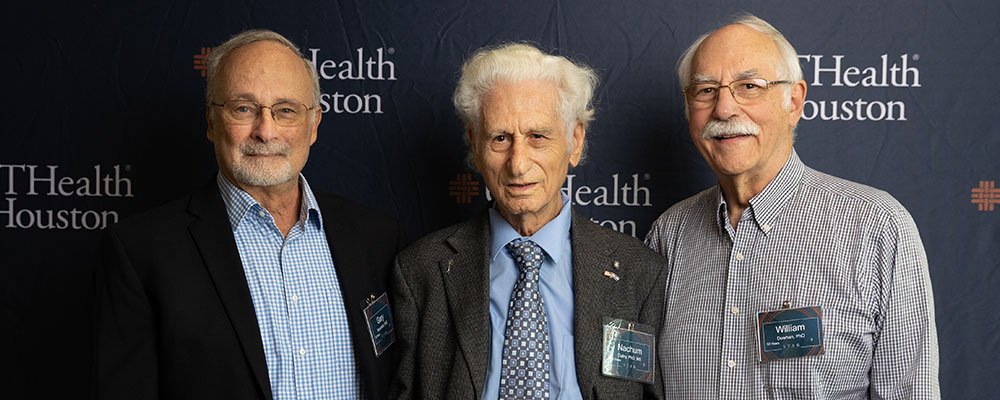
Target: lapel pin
612,275
616,264
448,268
368,300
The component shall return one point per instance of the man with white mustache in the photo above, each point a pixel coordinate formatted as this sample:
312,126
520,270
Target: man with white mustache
255,287
799,284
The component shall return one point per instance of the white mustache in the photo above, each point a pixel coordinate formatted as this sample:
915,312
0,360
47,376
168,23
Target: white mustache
264,149
717,128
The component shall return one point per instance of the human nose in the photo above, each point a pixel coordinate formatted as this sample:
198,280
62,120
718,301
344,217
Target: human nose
519,161
725,106
265,128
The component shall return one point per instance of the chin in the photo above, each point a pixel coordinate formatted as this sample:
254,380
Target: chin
264,175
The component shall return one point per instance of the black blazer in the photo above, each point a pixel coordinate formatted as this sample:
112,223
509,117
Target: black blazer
175,318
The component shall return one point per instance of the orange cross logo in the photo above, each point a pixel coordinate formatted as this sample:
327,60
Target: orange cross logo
464,188
986,195
201,61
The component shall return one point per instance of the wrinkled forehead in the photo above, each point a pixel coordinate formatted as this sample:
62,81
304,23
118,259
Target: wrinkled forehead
735,52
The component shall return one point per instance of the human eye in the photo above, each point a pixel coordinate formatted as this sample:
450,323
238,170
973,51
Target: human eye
499,141
751,84
704,91
749,88
242,109
287,109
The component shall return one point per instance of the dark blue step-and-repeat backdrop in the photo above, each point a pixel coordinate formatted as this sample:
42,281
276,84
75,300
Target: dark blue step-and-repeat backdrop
104,117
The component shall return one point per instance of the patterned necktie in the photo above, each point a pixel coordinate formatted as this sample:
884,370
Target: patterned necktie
524,373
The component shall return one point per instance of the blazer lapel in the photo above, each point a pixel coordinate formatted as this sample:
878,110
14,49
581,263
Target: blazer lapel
357,283
591,257
214,237
466,282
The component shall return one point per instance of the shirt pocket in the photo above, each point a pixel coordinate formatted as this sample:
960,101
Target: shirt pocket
793,379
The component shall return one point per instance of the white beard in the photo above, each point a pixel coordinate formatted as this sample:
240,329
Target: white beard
255,171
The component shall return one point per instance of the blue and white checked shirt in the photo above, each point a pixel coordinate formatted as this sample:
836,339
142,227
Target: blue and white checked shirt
297,299
813,240
556,284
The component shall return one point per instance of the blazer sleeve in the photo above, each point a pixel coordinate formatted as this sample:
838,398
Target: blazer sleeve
652,315
125,359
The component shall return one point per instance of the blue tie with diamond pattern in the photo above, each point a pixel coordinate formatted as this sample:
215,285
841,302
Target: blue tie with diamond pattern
524,372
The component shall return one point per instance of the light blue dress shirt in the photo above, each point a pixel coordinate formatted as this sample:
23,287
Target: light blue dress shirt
556,279
296,297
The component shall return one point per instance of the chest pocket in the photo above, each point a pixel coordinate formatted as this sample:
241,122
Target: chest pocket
793,378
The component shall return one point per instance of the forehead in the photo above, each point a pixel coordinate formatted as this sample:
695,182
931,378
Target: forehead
526,102
734,52
264,65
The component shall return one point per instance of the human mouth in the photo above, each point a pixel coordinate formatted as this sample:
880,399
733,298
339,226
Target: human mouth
252,149
520,187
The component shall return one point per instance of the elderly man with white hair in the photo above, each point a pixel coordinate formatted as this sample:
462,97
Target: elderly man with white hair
800,285
527,300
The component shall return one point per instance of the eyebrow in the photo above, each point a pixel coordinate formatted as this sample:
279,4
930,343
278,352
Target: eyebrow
750,73
703,78
251,97
243,96
528,131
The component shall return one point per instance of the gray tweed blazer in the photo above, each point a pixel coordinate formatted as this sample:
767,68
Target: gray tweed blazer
440,293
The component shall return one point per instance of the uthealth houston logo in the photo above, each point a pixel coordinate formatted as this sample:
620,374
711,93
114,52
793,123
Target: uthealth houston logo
362,65
24,184
837,71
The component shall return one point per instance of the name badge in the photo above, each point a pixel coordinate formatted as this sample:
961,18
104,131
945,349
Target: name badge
379,318
628,351
790,333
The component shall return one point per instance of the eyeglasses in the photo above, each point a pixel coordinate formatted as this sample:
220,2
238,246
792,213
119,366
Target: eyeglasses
705,94
243,112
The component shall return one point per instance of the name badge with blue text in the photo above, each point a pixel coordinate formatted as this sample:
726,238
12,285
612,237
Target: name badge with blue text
379,318
790,333
629,351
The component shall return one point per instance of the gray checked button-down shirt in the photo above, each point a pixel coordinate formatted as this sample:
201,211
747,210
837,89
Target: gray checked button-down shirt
810,239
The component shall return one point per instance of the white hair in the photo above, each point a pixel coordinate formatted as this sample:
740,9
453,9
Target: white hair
787,68
247,37
519,62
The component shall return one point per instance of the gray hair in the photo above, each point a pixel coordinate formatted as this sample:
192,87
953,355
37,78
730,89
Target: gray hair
518,62
247,37
787,68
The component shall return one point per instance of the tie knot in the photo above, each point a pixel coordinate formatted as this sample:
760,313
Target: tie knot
527,254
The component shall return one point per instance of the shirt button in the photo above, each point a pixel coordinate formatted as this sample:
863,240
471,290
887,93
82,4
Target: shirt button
302,352
734,310
739,256
731,363
765,227
261,213
295,298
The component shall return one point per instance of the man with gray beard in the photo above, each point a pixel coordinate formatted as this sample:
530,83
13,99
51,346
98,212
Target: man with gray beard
800,285
254,287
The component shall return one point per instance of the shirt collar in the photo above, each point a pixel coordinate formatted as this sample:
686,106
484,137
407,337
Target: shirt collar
238,202
551,237
767,205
